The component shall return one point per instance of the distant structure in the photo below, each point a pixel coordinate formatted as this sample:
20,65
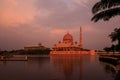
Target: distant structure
80,38
0,50
35,47
68,46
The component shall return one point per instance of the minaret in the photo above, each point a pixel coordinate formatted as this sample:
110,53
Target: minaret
80,38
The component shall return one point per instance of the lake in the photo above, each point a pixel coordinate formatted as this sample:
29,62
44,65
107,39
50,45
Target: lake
62,67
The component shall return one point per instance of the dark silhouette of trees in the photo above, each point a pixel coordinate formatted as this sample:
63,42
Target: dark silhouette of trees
107,49
113,48
105,9
115,36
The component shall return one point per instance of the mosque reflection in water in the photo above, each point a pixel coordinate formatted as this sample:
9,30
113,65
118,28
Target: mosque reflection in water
72,66
62,67
76,67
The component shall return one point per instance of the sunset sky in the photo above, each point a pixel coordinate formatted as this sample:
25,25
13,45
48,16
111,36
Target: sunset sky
29,22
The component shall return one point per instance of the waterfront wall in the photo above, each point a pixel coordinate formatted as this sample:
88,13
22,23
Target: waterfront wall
20,57
108,53
31,56
13,58
91,52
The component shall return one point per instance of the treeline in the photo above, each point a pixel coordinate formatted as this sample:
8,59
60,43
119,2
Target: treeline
42,52
22,52
113,48
115,37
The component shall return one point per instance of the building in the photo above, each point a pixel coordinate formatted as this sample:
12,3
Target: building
68,46
35,47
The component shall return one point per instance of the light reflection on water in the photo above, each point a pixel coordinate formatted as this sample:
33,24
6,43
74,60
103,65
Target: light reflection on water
63,67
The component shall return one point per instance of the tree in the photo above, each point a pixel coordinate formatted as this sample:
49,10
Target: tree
115,36
107,49
113,48
105,9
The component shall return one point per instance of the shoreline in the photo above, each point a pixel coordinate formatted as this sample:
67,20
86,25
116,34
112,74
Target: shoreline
21,57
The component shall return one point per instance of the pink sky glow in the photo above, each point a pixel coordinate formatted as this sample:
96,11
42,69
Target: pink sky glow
29,22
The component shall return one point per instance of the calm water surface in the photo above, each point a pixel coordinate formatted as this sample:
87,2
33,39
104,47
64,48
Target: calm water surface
65,67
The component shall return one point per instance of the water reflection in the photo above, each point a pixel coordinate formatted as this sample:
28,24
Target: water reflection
72,66
62,67
33,69
113,70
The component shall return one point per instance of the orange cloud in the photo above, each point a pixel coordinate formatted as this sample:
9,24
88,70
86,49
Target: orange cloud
79,2
61,32
17,12
58,32
90,29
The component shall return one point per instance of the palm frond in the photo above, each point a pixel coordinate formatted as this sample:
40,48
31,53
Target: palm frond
107,14
96,7
104,4
112,3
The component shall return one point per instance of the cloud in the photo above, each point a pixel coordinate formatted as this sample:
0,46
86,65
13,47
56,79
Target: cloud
43,12
81,2
63,31
61,13
26,22
57,32
90,28
14,12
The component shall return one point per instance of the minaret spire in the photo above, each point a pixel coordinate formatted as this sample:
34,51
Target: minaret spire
81,37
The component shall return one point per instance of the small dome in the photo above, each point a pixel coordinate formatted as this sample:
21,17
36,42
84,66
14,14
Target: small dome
68,38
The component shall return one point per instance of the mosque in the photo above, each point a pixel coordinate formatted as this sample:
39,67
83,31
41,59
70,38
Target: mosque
68,46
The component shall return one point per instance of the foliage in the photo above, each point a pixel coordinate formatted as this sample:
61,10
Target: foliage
115,36
117,47
105,9
3,52
107,49
47,51
13,52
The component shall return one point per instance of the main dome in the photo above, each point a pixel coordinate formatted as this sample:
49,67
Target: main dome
68,38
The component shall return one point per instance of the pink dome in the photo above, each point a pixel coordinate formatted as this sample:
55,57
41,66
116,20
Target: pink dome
68,38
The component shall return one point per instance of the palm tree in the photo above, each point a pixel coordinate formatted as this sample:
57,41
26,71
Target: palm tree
115,36
105,9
